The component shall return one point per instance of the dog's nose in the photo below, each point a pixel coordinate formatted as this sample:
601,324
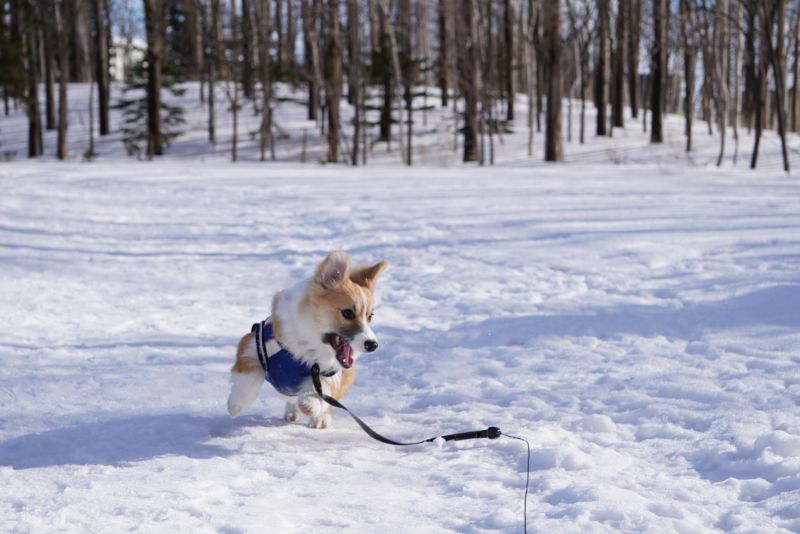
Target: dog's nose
370,345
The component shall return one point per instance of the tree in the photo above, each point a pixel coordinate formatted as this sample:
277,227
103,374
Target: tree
600,89
658,70
618,67
26,19
333,78
581,32
246,41
46,13
634,37
689,35
720,75
311,13
100,12
64,14
443,16
354,78
264,23
773,13
469,81
552,41
508,55
155,25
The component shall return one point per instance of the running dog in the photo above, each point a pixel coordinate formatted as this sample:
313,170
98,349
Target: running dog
325,321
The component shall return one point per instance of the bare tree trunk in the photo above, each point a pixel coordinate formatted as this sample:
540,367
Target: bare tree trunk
469,84
232,83
688,36
311,12
264,25
101,63
248,67
396,70
795,69
46,12
63,15
291,36
634,35
553,150
760,80
354,30
195,38
658,70
443,16
736,69
721,45
210,22
530,71
600,90
333,79
385,120
155,25
508,41
775,16
407,69
90,153
618,94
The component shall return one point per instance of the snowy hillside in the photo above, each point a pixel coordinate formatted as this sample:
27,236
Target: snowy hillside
638,324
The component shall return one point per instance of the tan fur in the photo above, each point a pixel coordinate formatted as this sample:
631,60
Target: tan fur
366,276
348,377
327,303
244,363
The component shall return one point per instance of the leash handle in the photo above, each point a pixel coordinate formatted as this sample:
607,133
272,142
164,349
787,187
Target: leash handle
490,433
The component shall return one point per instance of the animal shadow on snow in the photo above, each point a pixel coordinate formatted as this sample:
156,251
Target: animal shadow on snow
120,442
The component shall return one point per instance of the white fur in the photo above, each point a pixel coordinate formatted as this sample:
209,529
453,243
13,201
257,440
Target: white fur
300,335
244,390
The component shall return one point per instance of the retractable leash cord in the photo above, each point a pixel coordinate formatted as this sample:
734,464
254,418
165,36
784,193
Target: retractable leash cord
490,433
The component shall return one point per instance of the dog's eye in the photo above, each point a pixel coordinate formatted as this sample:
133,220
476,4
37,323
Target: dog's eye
369,319
349,314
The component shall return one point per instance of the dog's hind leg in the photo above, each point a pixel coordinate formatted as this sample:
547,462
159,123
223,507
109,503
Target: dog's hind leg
292,412
247,376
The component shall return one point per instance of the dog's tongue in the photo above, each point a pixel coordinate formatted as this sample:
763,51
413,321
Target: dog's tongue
344,353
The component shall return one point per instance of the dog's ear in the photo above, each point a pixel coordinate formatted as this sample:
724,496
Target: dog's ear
367,276
333,270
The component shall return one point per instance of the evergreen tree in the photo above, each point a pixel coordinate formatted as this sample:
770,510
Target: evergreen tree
133,105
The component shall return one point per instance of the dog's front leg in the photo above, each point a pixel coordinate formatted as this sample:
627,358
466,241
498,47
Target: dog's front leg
313,406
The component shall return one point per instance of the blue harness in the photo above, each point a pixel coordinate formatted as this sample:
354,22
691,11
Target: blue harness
281,369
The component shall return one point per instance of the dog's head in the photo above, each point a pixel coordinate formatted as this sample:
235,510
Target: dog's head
341,301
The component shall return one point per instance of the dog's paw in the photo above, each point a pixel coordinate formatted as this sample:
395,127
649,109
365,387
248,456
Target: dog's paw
292,413
311,406
235,409
323,421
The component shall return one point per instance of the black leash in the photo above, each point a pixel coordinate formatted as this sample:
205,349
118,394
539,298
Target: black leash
490,433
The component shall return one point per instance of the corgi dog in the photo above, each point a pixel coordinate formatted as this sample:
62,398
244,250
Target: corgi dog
324,320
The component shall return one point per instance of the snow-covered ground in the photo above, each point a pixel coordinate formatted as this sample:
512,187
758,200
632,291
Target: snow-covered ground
638,324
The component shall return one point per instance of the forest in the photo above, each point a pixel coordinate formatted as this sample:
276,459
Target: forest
732,64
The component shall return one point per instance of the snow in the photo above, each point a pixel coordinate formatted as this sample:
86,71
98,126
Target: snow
637,324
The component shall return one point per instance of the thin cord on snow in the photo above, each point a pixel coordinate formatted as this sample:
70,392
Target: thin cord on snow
527,481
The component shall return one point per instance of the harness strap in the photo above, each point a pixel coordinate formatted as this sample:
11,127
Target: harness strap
491,433
258,330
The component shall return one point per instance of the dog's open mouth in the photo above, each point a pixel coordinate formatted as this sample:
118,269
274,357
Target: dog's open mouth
344,352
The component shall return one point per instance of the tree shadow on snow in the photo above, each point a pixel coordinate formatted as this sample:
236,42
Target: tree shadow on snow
775,306
120,442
